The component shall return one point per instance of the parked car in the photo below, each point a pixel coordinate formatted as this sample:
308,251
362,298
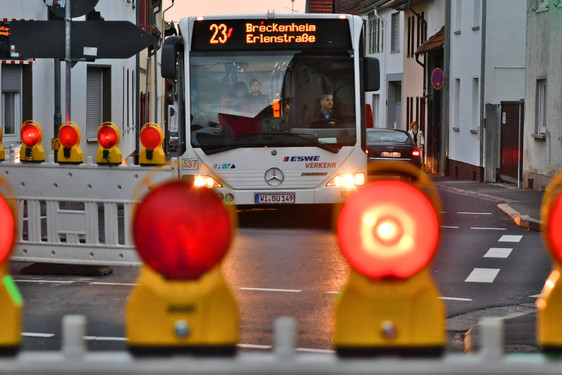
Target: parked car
392,144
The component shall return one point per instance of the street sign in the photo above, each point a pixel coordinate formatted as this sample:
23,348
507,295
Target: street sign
437,78
77,7
90,39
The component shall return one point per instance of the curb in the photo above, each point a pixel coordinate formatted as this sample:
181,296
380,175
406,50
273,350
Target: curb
524,221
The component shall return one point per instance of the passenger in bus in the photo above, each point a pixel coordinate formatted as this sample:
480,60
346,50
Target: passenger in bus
328,116
257,100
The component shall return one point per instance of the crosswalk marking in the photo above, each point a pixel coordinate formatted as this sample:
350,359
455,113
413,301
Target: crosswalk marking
498,252
482,275
510,238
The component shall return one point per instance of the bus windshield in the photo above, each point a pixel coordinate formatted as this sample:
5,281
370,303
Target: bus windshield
265,98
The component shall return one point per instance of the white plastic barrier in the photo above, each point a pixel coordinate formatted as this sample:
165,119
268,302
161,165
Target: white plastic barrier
74,359
78,214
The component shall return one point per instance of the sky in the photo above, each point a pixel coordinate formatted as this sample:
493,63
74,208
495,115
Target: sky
184,8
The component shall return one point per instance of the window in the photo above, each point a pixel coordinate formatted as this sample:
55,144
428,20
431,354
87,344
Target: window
395,34
98,100
475,103
477,14
458,17
11,101
457,102
410,41
376,31
540,127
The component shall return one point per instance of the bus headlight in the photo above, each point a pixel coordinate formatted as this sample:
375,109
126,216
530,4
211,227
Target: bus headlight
348,180
205,182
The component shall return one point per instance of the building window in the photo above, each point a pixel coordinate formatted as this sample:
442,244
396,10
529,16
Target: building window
457,102
376,31
98,100
540,127
477,14
410,37
458,17
395,34
11,101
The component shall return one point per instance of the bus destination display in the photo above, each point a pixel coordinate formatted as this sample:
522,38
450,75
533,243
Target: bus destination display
271,34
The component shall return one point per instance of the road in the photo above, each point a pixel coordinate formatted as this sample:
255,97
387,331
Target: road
287,263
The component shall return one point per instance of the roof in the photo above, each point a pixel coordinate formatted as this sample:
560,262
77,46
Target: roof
433,43
321,6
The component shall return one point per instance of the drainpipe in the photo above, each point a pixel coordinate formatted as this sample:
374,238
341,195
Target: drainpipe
483,127
445,93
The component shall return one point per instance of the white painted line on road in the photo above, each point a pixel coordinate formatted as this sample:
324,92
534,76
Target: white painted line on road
38,335
112,284
456,299
498,252
44,281
320,351
251,346
104,338
510,238
273,290
482,275
333,292
484,228
449,227
535,296
473,213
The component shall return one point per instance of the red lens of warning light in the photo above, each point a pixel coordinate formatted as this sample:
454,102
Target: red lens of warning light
68,136
30,135
7,225
181,232
388,229
107,137
554,229
150,137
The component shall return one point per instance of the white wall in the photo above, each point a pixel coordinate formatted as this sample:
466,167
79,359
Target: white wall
43,77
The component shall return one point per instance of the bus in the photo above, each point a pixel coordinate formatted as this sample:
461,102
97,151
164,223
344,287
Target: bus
271,107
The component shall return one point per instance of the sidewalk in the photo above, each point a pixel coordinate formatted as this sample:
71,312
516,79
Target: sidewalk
523,206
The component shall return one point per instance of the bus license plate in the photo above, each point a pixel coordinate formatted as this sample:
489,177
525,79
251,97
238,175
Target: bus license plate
275,198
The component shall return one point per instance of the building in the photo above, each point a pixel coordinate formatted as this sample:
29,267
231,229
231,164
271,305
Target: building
127,92
542,134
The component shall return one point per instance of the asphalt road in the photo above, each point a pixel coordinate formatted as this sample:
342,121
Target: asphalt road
287,263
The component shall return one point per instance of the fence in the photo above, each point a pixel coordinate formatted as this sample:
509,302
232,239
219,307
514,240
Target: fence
78,214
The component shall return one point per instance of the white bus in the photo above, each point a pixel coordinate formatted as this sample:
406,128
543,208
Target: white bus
249,91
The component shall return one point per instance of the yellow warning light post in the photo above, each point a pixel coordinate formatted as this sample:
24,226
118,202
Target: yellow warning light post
11,303
181,302
108,141
69,138
549,304
389,232
151,139
31,136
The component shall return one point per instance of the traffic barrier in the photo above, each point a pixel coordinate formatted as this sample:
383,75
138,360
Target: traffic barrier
78,214
284,359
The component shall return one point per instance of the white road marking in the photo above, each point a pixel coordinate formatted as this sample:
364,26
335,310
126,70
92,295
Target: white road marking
449,227
510,238
456,299
535,296
485,228
473,213
44,281
104,338
35,334
272,290
482,275
112,284
321,351
251,346
498,252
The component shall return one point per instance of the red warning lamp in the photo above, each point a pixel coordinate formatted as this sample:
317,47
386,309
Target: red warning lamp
388,228
107,137
151,138
190,239
68,136
7,230
30,135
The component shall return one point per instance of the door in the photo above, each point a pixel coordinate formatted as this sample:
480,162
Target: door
511,141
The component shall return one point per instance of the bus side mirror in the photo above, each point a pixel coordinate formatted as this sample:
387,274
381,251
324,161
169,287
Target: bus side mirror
372,74
170,51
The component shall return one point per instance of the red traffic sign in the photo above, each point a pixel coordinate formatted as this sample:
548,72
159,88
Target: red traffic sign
437,78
